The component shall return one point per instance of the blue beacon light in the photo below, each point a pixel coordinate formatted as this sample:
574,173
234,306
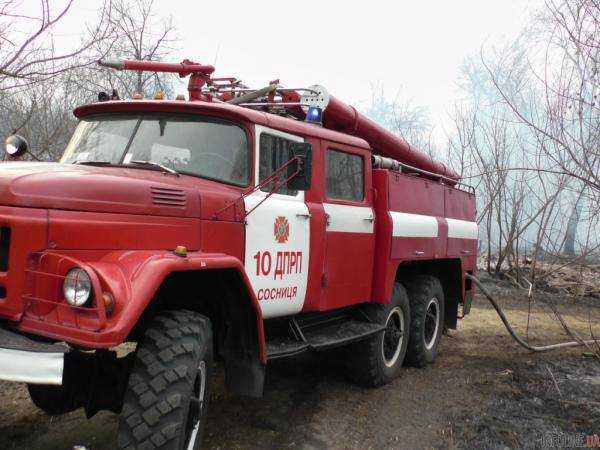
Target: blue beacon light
314,115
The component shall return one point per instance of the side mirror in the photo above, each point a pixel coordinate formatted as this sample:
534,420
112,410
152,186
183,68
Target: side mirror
301,181
15,145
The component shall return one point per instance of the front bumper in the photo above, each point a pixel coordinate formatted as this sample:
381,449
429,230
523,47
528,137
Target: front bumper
27,361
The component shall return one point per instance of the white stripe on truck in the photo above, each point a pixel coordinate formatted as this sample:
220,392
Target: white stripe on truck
349,219
414,225
462,229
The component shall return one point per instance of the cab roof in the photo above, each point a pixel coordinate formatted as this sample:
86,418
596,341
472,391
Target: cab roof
221,110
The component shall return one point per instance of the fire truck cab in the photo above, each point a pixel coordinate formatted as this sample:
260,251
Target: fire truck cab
221,228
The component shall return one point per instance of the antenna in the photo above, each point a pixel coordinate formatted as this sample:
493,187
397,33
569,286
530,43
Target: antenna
217,54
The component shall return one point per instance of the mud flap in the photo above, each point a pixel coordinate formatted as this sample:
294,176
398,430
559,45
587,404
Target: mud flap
245,376
93,381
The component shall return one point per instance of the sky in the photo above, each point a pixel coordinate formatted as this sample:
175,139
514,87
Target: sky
412,47
349,46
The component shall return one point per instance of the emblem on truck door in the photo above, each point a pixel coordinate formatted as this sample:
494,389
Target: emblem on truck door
281,229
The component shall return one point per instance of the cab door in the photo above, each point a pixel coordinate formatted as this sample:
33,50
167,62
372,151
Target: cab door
277,231
350,241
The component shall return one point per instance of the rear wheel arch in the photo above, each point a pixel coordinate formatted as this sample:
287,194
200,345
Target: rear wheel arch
224,296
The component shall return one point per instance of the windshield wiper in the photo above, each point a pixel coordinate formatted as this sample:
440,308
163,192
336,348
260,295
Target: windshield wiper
139,163
94,163
155,164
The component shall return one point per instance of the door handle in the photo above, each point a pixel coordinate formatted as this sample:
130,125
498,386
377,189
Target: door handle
419,252
369,219
304,215
466,252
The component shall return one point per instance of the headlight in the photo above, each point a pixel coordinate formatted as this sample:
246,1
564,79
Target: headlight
77,287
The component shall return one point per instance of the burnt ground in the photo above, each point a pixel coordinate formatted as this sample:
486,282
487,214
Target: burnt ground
483,392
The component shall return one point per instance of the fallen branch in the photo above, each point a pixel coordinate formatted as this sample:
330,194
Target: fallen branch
517,338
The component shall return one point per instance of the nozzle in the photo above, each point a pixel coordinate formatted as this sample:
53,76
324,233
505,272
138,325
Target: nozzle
112,63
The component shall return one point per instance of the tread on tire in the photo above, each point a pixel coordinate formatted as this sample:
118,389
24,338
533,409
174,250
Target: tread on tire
163,379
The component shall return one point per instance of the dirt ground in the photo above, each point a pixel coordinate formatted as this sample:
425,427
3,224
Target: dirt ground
483,392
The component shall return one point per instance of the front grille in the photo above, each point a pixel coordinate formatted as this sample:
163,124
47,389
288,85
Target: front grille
4,248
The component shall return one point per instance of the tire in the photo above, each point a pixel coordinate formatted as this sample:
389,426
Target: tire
172,366
376,361
427,319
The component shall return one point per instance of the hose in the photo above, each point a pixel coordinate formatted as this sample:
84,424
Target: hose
513,333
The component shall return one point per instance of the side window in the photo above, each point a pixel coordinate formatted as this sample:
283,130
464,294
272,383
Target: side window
274,153
345,176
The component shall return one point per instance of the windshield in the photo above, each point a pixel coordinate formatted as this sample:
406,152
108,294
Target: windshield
195,146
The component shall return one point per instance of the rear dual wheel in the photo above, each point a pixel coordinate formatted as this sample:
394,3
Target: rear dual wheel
414,321
427,316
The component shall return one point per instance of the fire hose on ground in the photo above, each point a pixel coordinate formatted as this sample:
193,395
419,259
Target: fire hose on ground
513,333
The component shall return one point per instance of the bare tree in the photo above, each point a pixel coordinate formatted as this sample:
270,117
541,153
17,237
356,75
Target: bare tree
43,114
571,234
139,34
524,199
566,123
39,104
28,52
402,117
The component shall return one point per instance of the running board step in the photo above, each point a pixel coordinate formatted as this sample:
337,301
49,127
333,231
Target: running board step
323,338
284,347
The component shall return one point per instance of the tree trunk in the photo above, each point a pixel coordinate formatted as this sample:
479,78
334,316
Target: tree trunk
571,233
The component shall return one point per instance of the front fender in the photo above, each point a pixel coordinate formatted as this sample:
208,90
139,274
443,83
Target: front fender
133,278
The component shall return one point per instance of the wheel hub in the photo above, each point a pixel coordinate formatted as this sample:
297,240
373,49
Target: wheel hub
196,407
431,323
393,337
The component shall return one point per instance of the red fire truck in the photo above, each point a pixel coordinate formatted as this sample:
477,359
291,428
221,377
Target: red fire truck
240,225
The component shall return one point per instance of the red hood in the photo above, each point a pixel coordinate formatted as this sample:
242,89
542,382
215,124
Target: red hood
97,189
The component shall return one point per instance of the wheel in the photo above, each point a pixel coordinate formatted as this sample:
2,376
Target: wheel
427,319
168,391
377,361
